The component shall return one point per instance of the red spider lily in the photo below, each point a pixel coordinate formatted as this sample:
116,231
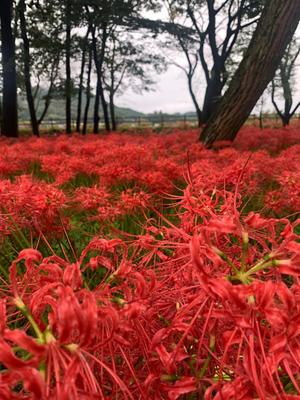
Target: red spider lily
202,303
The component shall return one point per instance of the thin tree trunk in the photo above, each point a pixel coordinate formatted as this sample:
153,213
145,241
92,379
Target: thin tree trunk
261,120
88,93
26,58
104,107
45,110
279,113
112,112
111,88
97,98
287,94
68,87
274,31
79,104
83,60
96,110
53,76
1,117
194,100
100,92
9,99
189,74
46,105
286,121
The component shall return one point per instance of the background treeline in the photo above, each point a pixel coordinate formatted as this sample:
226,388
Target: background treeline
81,54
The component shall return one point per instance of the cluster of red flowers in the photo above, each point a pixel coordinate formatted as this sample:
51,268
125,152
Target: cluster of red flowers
203,303
27,203
110,206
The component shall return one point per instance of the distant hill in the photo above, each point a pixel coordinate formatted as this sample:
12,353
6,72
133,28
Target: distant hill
57,109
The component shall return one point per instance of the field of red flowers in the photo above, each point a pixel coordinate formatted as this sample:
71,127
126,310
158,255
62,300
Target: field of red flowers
147,267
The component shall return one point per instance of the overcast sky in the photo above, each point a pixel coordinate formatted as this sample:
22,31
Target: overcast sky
171,93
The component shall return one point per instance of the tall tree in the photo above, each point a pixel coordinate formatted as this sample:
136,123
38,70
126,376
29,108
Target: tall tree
88,91
284,82
128,64
83,45
216,29
68,17
27,67
1,118
105,16
99,60
9,96
188,46
275,30
41,51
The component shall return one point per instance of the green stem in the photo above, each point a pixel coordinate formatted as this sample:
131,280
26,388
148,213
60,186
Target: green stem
24,310
260,267
212,343
225,258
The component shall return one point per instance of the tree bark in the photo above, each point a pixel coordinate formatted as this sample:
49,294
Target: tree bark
47,103
68,88
48,97
189,72
100,92
9,100
274,31
104,107
46,107
27,77
83,59
285,76
194,100
213,94
96,110
288,96
79,104
88,93
112,112
1,117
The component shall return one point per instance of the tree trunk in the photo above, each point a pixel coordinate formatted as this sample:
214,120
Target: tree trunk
96,110
48,97
104,107
1,117
47,104
288,96
261,120
79,105
274,31
88,93
285,119
190,74
9,99
112,112
68,87
100,92
26,58
213,94
194,100
46,108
